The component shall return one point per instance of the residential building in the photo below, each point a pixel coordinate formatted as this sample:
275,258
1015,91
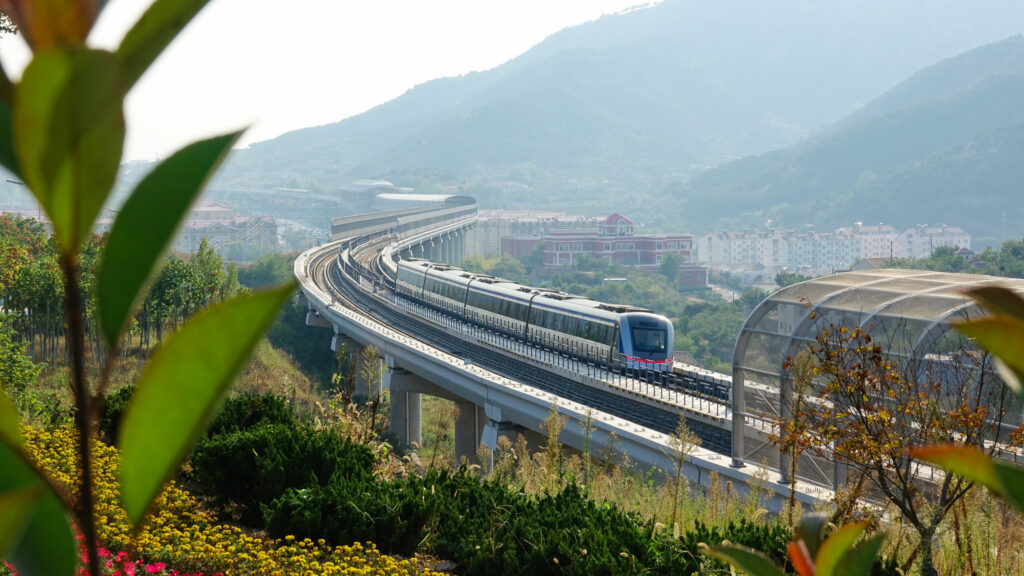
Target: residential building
770,251
879,241
615,240
518,232
241,238
921,240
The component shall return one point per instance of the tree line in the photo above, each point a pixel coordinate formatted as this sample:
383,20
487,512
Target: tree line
1006,261
32,292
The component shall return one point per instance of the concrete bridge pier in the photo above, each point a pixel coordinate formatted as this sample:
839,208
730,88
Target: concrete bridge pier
366,377
313,318
469,430
406,405
449,248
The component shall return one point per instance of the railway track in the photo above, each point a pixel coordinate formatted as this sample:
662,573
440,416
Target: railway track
364,268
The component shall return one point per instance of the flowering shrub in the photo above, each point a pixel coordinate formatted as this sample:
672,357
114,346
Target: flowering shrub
176,533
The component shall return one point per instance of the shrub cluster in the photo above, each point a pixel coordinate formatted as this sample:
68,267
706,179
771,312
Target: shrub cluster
260,465
246,469
180,534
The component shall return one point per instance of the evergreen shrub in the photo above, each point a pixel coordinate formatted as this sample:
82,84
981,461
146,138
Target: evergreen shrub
245,412
241,471
113,409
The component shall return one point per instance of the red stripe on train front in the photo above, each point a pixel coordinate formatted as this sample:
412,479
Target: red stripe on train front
635,359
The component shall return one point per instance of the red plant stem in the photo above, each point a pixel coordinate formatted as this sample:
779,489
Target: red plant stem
83,417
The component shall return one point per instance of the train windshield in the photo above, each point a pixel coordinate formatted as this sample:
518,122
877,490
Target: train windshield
649,340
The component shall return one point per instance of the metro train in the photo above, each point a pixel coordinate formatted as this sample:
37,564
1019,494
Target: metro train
611,334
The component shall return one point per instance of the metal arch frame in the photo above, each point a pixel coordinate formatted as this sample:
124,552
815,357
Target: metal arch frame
927,337
785,386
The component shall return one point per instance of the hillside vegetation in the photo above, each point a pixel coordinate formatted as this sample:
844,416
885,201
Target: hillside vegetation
942,147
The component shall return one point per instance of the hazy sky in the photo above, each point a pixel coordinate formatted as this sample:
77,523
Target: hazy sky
279,66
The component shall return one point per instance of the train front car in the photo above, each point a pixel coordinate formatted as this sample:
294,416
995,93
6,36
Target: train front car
646,341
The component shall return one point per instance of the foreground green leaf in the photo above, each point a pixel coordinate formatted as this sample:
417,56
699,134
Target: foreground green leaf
34,532
146,224
157,27
811,530
15,507
7,158
835,547
746,559
46,546
1001,478
10,434
860,560
1011,478
180,389
1003,336
971,463
68,127
999,300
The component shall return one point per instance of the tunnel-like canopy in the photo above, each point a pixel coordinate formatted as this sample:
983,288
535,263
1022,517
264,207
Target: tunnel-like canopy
908,312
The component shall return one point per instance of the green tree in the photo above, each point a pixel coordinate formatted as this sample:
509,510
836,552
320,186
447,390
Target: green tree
509,268
267,271
670,266
17,370
783,279
209,270
534,261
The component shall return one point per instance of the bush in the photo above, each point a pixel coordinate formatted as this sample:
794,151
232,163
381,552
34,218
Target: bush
770,539
243,470
397,516
245,412
483,526
113,410
567,533
239,413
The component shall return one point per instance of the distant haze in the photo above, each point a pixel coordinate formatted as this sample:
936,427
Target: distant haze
652,95
280,66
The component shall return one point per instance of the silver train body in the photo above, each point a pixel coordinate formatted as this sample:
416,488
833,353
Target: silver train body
606,333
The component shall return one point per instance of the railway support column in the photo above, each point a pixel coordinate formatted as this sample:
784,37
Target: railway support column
364,369
461,246
406,405
469,428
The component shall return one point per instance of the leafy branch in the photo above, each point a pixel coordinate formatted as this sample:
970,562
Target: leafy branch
62,131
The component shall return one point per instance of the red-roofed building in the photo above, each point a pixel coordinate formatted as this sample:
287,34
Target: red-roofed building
615,240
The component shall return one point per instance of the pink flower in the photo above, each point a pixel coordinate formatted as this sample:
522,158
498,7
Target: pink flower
155,568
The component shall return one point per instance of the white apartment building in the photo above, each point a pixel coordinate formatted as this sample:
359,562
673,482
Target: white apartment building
774,250
880,241
921,240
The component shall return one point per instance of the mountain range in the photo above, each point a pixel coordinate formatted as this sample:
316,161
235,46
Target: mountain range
699,115
943,147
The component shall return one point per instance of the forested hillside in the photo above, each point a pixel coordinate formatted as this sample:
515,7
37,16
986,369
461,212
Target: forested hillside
942,147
